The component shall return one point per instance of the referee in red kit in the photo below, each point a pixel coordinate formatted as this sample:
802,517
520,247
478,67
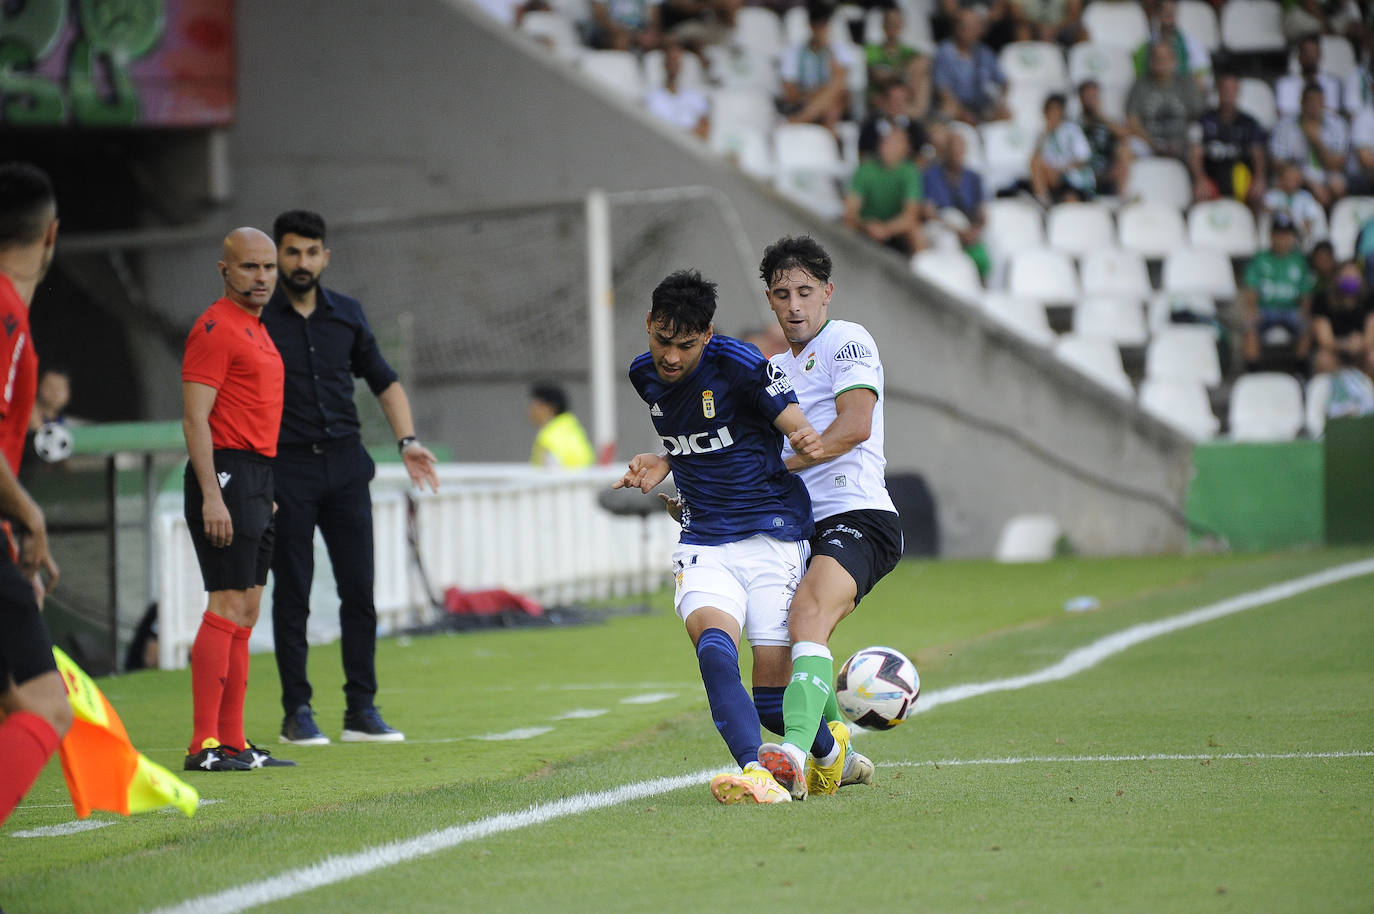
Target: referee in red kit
231,382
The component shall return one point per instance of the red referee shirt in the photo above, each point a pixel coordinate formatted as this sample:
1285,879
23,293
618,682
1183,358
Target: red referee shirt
229,349
20,379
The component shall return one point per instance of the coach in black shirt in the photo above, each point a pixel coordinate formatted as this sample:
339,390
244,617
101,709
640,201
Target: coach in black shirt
322,473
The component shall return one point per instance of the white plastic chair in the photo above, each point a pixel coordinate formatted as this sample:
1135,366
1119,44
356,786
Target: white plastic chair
1119,24
1180,403
1199,270
555,29
973,144
1121,320
1028,538
809,168
1252,26
951,270
1198,20
1077,228
737,108
1150,229
1159,310
749,147
1256,98
1007,148
691,73
1347,215
1036,62
1026,102
1265,406
796,27
733,67
1338,57
1318,397
1158,179
1105,63
1043,274
1098,358
1115,271
1225,224
759,28
1011,225
616,70
1184,351
1023,316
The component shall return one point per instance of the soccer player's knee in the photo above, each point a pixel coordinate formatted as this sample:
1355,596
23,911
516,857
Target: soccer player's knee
716,652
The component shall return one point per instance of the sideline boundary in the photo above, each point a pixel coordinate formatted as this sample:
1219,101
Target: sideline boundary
339,868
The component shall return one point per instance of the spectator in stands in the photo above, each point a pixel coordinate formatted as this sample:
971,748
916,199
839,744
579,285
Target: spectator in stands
626,25
1343,323
1322,260
703,23
1290,197
1289,87
969,83
1162,106
1061,166
1276,292
1190,55
815,74
1359,169
1320,140
1226,150
1358,91
998,23
1053,21
560,441
1332,17
54,393
885,194
895,60
892,104
681,106
950,185
1108,140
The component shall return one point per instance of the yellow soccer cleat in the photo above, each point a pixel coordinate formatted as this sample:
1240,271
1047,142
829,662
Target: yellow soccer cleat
753,785
826,779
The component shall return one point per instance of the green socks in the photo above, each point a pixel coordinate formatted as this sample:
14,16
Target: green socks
809,694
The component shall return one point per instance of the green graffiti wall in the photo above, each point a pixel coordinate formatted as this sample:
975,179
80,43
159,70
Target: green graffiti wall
116,63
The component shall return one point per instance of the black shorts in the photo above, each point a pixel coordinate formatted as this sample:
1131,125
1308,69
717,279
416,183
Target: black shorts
25,645
246,486
868,544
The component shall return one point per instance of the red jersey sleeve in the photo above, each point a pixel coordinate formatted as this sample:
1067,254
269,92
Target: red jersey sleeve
207,358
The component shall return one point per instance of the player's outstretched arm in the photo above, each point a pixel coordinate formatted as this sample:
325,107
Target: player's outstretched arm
644,472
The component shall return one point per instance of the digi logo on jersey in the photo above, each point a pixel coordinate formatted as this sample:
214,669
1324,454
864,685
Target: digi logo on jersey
780,383
700,443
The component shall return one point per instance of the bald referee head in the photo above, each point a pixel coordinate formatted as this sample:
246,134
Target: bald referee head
248,264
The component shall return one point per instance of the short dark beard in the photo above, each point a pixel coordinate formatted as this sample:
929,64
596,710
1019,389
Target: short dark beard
295,286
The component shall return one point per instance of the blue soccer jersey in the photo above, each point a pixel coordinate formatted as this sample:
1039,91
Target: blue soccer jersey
726,454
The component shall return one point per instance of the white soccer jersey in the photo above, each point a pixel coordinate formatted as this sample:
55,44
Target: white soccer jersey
842,357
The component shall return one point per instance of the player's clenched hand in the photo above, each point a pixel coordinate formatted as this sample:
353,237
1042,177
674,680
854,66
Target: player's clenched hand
219,529
806,443
673,505
645,471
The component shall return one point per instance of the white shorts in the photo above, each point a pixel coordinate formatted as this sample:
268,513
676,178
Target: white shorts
753,580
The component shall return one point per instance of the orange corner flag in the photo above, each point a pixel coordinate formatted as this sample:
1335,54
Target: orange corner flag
103,769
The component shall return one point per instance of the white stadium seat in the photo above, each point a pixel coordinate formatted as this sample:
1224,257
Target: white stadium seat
1198,20
796,27
692,73
1161,307
1115,271
1026,102
1338,57
1007,148
973,144
1077,228
739,108
952,270
1023,316
1157,179
1151,229
616,70
1265,406
1256,98
1181,403
1116,23
1011,225
1317,399
1121,320
750,148
1199,270
1184,351
554,29
1043,274
1251,26
1226,224
809,168
1347,215
1028,538
1098,358
740,67
760,29
1036,62
1104,63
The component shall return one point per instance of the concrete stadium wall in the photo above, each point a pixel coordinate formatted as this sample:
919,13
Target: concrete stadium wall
368,109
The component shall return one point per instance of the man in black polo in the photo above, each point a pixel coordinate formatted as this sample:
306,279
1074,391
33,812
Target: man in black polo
322,473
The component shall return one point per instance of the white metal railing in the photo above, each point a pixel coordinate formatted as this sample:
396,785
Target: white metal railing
537,532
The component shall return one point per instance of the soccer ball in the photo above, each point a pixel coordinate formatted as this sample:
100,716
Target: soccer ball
877,688
52,442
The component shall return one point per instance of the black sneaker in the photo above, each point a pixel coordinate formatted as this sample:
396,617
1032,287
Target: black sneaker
254,757
299,729
213,757
367,726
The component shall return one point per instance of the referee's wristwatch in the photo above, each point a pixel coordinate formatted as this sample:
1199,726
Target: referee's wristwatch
406,442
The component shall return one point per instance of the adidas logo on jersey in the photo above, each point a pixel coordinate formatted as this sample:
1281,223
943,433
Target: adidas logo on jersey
700,443
655,411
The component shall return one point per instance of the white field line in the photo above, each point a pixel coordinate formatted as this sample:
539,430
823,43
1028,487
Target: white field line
336,869
1151,757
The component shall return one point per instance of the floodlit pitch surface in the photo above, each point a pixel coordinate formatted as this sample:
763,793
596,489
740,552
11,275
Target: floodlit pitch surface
1224,766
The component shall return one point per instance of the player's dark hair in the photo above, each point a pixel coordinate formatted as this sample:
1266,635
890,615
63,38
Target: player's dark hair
550,393
27,203
298,222
683,302
795,251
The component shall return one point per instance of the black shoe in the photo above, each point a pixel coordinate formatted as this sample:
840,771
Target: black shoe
298,728
367,726
213,758
254,757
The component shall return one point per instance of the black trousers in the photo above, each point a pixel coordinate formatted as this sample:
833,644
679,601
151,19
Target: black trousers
324,487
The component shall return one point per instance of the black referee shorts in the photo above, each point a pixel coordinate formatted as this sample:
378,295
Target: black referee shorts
868,544
25,645
245,483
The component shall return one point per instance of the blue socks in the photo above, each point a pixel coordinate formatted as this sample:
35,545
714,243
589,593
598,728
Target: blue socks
734,714
768,701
